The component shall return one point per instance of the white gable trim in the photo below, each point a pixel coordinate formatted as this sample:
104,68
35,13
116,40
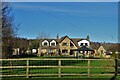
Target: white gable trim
44,42
53,41
83,42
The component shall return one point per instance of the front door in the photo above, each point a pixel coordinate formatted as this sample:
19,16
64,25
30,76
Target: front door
71,52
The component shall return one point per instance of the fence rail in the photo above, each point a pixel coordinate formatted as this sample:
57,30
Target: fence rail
59,65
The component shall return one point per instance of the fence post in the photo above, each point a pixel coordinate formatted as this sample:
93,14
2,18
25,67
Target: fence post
116,67
27,69
59,68
88,68
11,66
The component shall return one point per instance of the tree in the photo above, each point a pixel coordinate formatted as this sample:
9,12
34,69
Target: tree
8,30
34,44
22,44
43,35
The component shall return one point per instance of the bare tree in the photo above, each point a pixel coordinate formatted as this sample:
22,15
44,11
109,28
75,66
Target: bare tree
8,30
43,35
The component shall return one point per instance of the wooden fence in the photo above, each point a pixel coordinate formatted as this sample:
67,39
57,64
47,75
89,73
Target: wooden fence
59,66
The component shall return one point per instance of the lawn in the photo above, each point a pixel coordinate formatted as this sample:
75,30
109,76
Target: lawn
95,63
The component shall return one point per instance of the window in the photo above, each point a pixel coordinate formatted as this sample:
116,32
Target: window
64,51
86,44
71,44
50,51
101,51
45,43
81,44
64,44
52,44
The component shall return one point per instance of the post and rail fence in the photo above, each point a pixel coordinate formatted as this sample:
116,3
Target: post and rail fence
59,64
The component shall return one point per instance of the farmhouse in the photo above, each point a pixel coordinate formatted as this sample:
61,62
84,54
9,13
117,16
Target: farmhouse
63,46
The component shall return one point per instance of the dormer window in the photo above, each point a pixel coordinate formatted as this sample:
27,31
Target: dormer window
86,44
81,44
53,43
45,43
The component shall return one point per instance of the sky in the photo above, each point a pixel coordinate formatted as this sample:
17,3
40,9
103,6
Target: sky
99,20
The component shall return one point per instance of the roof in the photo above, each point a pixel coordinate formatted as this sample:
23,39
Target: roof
41,40
84,48
74,40
62,38
95,45
108,53
114,47
106,46
50,47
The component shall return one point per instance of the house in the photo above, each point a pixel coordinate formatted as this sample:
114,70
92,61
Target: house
101,50
62,46
48,46
16,51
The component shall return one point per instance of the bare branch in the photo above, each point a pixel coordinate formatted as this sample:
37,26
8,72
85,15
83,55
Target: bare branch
43,35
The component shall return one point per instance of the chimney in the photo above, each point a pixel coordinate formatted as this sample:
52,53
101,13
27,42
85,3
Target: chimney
88,38
57,37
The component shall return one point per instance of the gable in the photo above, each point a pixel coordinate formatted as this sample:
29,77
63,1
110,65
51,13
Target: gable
45,41
53,41
62,38
101,48
66,39
84,42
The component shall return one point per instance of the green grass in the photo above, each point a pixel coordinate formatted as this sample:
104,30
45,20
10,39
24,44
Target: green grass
95,63
43,70
56,78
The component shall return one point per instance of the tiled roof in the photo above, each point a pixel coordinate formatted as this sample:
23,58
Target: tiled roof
106,46
95,45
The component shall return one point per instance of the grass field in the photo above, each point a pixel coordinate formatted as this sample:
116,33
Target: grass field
95,63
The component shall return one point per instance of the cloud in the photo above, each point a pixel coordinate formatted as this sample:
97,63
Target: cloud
82,11
60,10
44,8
